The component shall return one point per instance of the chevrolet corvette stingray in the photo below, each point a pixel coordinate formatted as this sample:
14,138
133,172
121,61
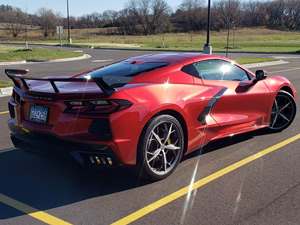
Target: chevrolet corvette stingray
146,111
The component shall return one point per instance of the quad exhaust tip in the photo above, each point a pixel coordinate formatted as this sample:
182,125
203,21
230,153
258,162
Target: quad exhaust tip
100,160
92,159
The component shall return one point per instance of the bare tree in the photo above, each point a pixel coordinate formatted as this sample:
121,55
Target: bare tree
48,21
109,18
16,21
126,22
254,13
291,15
229,12
194,14
152,15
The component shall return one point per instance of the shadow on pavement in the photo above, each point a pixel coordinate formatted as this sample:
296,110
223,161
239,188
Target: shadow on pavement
224,142
46,182
50,181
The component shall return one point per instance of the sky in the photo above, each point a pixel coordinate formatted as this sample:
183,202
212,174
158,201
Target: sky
77,7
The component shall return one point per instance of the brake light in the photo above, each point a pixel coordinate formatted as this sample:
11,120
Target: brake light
96,106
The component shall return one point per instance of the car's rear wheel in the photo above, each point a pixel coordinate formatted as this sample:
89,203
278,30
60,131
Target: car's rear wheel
161,147
283,111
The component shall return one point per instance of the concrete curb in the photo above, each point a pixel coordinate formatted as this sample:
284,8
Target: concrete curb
263,64
12,63
84,56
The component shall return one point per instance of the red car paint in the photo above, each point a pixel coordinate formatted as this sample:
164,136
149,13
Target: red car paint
243,106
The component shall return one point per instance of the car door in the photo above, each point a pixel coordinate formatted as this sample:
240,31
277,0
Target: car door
243,103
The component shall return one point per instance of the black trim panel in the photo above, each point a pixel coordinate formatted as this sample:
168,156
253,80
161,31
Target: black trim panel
210,105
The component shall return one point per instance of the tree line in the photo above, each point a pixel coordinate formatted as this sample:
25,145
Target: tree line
144,17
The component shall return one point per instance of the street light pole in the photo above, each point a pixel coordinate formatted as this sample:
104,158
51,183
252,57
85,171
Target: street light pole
207,48
68,18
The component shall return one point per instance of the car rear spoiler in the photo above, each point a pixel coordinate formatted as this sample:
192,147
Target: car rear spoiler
19,74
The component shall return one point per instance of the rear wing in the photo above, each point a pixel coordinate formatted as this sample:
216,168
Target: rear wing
19,75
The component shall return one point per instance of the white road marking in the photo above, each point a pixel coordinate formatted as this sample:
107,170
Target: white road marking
287,70
286,57
265,64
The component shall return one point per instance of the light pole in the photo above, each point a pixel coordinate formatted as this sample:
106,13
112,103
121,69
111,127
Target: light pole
68,18
207,48
228,27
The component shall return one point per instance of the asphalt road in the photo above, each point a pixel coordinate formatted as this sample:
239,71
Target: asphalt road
265,191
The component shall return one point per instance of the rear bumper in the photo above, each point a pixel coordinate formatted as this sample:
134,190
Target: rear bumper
112,131
84,154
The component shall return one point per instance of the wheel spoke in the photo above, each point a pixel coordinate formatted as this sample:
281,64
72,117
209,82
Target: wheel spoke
157,137
284,117
276,105
169,133
284,107
155,154
165,160
275,120
172,147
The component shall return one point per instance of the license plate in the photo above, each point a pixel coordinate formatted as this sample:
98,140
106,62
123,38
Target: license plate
38,113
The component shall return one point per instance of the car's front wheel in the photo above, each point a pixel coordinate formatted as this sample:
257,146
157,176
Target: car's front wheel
161,147
283,111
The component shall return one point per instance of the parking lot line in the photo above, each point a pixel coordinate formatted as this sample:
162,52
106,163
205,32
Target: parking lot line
2,113
202,182
30,211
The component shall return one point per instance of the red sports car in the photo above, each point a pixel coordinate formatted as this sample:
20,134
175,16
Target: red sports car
147,111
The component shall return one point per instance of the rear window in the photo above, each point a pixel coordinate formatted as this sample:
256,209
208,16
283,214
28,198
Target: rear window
126,69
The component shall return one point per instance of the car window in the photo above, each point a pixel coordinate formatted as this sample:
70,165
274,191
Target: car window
126,69
216,70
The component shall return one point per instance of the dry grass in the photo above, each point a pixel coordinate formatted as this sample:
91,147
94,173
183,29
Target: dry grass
245,39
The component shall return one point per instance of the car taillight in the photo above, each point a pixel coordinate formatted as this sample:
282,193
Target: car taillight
96,106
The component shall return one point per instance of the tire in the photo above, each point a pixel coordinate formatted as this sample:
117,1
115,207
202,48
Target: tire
283,111
162,141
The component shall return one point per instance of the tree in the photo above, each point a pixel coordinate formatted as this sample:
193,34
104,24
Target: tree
14,18
194,14
152,15
254,13
228,12
291,15
48,21
126,22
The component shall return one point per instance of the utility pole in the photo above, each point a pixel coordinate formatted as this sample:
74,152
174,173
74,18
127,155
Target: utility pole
207,48
68,18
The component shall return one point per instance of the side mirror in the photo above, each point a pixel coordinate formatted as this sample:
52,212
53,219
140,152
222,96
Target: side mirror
260,75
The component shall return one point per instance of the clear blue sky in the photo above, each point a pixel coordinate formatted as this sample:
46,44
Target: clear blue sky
77,7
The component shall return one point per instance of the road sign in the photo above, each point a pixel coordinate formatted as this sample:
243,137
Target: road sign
59,30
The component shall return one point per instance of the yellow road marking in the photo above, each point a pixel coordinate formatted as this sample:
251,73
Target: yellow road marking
202,182
35,213
5,112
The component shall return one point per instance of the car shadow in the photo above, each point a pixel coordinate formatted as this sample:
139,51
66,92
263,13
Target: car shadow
225,142
49,180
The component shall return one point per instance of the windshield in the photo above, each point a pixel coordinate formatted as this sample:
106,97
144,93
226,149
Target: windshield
126,69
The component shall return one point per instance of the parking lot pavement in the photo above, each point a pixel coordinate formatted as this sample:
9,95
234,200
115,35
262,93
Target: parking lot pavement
265,191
